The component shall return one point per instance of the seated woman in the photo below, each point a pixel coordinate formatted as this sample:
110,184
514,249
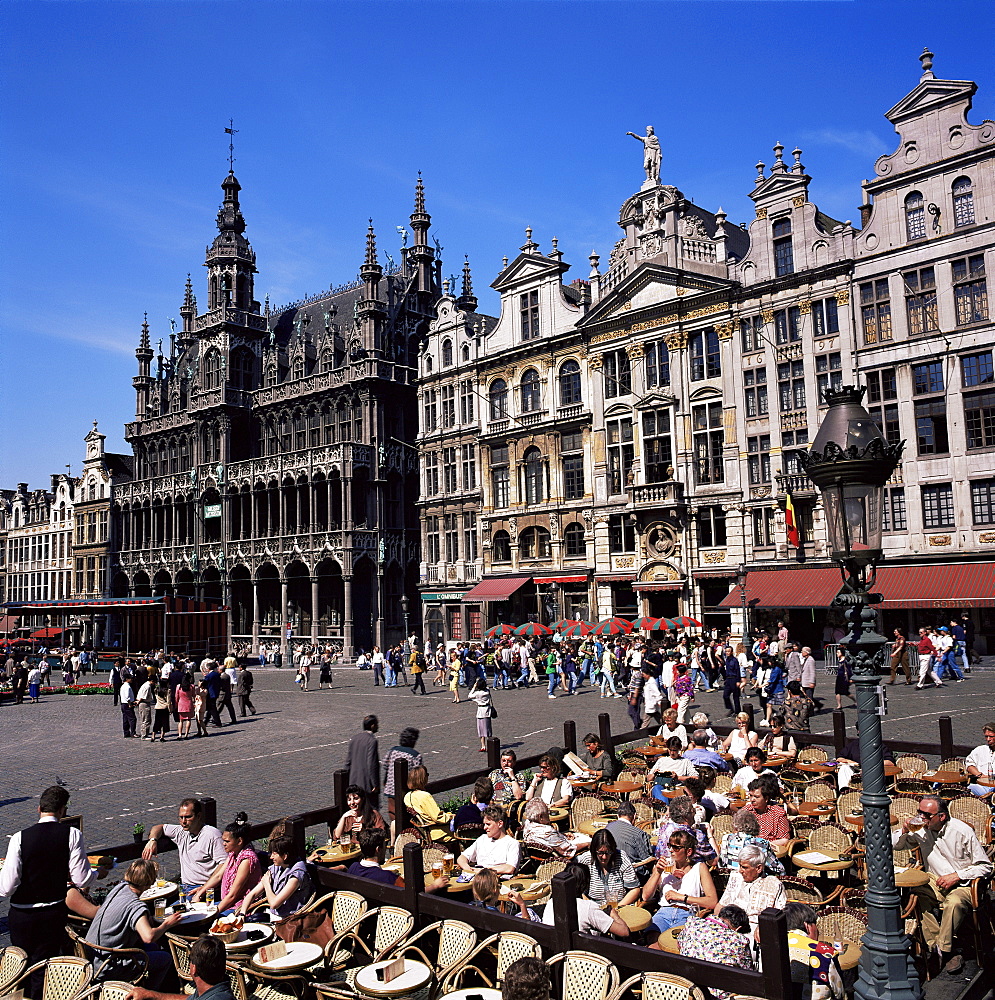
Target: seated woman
740,739
681,817
722,937
599,761
423,808
746,832
359,816
540,831
751,889
470,813
682,885
612,876
670,728
797,708
240,873
286,885
712,799
674,763
486,888
754,765
549,784
700,721
777,740
123,922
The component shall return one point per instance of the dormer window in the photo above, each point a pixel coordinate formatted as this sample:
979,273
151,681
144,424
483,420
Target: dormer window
915,217
447,353
784,254
528,307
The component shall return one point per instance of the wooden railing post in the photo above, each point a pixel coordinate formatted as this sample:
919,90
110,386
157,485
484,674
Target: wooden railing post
946,738
774,953
605,729
296,830
750,710
400,816
570,736
564,903
493,752
414,878
209,809
839,730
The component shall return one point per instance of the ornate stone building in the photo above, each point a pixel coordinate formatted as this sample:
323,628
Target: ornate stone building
274,467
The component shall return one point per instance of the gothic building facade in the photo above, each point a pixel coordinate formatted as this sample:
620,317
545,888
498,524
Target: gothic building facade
273,448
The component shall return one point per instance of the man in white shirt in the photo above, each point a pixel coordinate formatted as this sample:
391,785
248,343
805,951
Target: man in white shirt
755,759
128,720
199,845
494,849
980,763
146,699
674,762
953,856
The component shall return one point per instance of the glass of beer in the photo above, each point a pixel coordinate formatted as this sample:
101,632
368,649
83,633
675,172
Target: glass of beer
448,863
437,867
345,841
917,822
160,909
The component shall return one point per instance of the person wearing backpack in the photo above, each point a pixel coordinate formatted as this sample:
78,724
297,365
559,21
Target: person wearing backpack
552,672
417,663
608,667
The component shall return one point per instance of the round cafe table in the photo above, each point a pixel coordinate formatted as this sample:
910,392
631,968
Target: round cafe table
892,770
985,782
591,826
776,760
416,976
816,766
838,864
858,820
668,939
651,751
622,787
911,877
159,892
260,934
531,889
824,808
944,777
558,813
300,954
849,956
336,854
197,913
635,917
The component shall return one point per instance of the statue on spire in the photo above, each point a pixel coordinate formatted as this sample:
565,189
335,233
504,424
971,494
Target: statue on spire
651,154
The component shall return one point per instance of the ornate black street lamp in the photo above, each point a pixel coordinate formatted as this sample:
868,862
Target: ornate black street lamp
741,572
404,611
850,462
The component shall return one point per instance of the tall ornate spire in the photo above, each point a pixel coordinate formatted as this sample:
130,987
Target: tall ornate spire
231,261
143,380
371,246
467,300
188,310
421,256
144,343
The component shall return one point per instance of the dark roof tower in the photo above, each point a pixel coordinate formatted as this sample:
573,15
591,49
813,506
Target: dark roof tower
467,300
230,260
421,256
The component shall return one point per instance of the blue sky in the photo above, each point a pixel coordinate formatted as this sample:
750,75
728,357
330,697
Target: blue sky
112,148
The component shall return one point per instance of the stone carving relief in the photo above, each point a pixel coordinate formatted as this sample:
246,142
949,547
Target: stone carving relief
617,255
662,541
693,227
651,244
659,572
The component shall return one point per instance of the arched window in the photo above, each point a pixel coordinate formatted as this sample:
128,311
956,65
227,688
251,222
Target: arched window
535,478
963,202
534,543
298,368
569,383
573,539
243,368
447,353
270,376
784,254
428,365
327,360
465,352
531,393
915,217
212,369
498,396
501,547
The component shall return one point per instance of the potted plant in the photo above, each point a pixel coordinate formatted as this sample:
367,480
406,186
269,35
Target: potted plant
138,832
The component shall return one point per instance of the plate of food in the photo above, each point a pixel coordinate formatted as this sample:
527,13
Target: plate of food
228,928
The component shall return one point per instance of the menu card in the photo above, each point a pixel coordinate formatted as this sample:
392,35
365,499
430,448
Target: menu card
392,971
270,952
816,858
575,764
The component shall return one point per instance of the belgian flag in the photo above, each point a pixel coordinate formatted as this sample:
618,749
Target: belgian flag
791,523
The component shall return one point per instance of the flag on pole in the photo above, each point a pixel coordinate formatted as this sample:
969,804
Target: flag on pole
791,523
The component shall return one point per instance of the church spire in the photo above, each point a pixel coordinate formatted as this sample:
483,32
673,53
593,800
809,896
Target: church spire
421,255
467,300
188,311
231,261
143,380
370,309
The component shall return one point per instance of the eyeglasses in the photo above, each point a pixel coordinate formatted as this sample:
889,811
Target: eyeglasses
922,812
678,847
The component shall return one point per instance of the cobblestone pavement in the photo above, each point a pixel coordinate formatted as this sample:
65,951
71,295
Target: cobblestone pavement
281,760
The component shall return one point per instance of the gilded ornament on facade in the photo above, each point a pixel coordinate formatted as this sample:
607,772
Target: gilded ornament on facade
761,213
805,307
843,297
718,556
798,200
939,540
724,330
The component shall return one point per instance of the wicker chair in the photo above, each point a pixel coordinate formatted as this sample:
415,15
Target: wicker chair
720,877
659,986
456,942
586,976
846,803
721,824
393,925
468,833
548,869
406,836
912,763
179,949
610,803
812,755
830,837
110,990
346,909
125,962
723,782
433,855
65,976
645,811
13,962
819,791
802,890
583,808
975,812
904,806
853,899
267,986
953,764
913,786
511,946
840,924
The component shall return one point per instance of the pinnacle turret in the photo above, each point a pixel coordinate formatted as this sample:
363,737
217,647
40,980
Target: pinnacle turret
467,299
420,255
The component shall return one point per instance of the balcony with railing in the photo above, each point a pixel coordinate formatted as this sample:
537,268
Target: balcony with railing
454,573
797,484
669,494
222,395
701,250
226,314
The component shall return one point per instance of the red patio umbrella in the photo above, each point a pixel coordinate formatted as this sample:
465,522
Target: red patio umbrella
533,628
654,624
683,622
613,626
564,623
496,630
574,630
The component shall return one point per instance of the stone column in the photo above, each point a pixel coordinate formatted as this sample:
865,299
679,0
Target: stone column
314,610
284,611
255,615
347,615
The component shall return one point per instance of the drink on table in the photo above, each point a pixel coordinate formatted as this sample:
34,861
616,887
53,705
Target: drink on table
160,883
345,841
209,897
437,867
183,898
448,863
160,909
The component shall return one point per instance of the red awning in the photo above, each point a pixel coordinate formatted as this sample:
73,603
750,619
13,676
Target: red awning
660,585
787,588
8,623
581,578
496,588
968,585
46,633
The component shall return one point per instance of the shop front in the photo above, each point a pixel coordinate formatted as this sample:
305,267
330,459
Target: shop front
449,619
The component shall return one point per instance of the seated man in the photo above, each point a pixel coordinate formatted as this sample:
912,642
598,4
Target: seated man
632,842
372,844
815,972
953,856
495,849
701,755
723,938
207,970
526,979
591,918
674,763
198,844
981,762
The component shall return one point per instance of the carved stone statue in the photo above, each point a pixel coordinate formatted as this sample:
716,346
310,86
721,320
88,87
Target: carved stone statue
651,154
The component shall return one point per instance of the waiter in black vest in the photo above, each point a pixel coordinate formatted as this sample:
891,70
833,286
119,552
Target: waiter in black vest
41,862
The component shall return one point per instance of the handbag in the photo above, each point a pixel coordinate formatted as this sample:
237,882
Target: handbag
315,926
494,713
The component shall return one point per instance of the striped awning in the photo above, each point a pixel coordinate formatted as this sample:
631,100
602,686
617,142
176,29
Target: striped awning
964,585
496,588
787,588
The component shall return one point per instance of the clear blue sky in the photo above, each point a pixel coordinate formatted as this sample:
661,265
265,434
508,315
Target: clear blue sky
112,148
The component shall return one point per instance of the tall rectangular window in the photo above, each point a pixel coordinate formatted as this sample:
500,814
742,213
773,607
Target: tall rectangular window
528,309
979,418
658,451
784,255
792,446
708,439
755,383
970,290
466,408
983,501
572,465
920,301
828,373
758,459
976,369
764,534
657,364
886,417
449,406
431,474
931,426
500,476
470,536
894,516
751,333
705,354
881,384
469,457
620,454
711,523
429,412
432,548
825,317
449,484
875,311
791,385
938,506
451,526
621,534
617,370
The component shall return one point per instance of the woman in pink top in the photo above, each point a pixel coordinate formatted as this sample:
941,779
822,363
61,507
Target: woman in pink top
185,696
240,873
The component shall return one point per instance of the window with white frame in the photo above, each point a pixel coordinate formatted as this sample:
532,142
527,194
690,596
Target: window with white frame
915,217
963,197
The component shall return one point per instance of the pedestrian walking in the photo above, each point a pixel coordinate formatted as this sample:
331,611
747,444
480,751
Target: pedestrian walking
733,683
454,671
926,652
481,695
417,663
363,760
243,690
377,661
184,699
899,661
145,701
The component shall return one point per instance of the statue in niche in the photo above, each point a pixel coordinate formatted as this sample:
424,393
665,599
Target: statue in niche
651,154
